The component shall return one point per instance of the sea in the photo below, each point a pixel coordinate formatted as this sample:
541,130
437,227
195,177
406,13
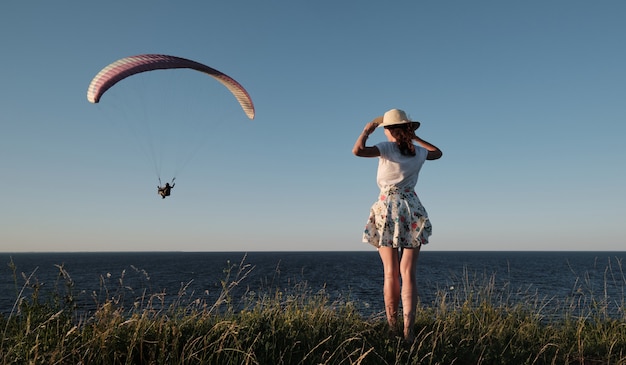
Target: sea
551,283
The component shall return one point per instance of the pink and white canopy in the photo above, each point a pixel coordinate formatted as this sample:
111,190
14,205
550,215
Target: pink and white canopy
128,66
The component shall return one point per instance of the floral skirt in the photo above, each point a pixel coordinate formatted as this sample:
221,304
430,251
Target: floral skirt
397,219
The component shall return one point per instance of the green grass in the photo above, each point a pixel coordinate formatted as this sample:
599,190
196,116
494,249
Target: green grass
476,324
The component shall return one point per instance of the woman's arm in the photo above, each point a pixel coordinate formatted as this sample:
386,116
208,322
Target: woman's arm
433,151
359,148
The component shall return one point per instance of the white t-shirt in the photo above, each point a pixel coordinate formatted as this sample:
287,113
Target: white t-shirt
395,169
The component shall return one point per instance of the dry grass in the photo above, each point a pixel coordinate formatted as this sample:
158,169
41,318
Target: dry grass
476,324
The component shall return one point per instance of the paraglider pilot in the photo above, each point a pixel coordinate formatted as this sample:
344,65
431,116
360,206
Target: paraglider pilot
165,190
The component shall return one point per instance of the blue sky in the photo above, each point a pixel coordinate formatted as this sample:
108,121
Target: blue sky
526,99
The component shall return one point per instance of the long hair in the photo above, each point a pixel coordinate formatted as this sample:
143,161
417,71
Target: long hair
403,134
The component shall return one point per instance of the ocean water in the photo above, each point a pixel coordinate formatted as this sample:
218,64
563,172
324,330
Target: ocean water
551,280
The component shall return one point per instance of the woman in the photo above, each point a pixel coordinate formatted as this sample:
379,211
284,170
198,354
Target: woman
398,224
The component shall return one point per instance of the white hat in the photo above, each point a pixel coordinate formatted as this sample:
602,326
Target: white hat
397,117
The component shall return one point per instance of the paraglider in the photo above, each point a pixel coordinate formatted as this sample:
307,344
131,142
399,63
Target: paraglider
126,67
165,190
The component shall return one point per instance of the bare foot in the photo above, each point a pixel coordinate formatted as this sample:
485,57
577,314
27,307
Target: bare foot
409,336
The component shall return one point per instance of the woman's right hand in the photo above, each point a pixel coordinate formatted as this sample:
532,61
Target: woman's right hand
371,126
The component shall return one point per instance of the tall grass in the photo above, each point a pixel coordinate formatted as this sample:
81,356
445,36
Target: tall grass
477,323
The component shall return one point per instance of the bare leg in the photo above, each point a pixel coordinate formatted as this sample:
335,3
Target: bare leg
391,284
408,266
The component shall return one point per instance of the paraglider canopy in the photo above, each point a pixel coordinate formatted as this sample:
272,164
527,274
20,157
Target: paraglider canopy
128,66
